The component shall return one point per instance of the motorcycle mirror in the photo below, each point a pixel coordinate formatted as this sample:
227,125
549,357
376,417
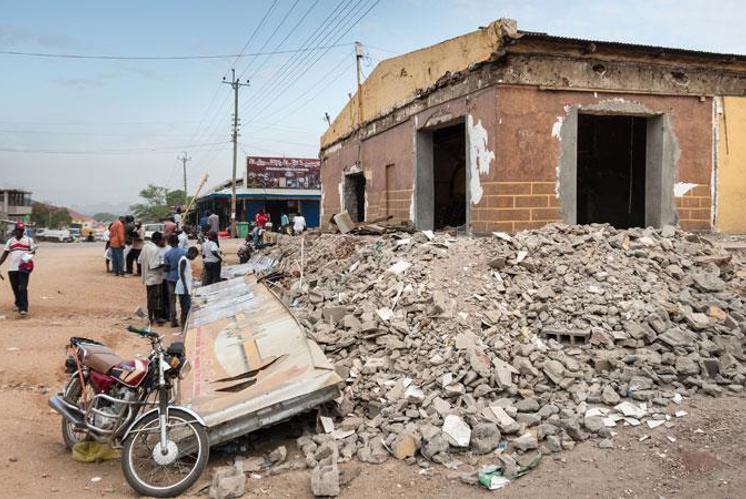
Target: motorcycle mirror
140,312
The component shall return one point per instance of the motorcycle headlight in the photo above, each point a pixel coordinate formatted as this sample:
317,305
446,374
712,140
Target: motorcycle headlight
186,368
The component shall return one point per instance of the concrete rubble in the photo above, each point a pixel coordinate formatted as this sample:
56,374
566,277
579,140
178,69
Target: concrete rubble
541,340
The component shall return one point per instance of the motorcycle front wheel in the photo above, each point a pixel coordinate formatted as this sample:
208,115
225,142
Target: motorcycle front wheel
71,434
151,472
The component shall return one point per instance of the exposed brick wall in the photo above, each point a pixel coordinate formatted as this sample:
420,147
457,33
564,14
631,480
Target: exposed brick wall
695,209
515,206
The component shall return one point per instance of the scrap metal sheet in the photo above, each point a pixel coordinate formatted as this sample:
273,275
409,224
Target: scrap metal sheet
248,353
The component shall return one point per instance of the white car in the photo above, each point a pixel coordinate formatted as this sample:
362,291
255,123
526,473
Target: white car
58,235
148,230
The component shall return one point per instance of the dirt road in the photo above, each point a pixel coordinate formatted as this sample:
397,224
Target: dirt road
71,295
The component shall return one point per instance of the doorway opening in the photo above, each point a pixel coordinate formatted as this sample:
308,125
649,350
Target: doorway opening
354,194
611,170
449,176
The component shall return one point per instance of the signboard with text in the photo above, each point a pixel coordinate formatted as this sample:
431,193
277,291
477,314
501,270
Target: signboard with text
282,173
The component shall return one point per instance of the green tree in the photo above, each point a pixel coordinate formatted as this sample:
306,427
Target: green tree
176,198
44,215
155,205
104,217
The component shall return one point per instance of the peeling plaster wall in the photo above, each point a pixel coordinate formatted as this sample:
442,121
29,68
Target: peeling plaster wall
480,157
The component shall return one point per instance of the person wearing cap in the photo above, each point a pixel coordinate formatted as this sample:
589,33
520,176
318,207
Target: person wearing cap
19,251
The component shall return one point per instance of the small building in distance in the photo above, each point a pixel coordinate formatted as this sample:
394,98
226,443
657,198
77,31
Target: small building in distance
504,130
276,185
15,204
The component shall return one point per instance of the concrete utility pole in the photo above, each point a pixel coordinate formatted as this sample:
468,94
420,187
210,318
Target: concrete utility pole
235,85
184,160
358,57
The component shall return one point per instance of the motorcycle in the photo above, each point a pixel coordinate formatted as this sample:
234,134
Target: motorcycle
128,404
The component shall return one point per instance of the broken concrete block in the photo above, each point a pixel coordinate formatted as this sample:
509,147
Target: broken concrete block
405,445
325,478
457,431
227,482
485,437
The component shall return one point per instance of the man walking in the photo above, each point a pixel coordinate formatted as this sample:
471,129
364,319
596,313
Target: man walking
116,243
137,240
212,257
152,275
213,221
184,284
20,249
171,261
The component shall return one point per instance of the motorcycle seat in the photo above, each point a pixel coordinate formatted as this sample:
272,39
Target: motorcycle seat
99,357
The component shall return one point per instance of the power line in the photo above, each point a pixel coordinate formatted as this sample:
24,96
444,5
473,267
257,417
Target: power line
159,58
315,61
163,149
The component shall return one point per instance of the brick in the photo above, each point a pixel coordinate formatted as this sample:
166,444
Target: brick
552,214
507,215
705,202
519,226
543,188
554,202
684,214
700,190
498,201
507,188
499,227
696,225
699,214
531,201
688,202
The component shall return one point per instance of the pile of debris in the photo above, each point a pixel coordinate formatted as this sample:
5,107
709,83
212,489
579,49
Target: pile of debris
527,343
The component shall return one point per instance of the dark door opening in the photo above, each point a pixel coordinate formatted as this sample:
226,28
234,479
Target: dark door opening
449,176
611,170
354,191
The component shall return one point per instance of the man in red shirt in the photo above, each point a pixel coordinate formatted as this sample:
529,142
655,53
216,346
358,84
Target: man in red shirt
116,243
261,219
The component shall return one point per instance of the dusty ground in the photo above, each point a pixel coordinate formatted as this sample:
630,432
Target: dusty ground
71,295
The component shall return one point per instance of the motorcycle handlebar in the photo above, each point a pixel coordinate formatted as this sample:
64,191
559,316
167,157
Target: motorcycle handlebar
141,332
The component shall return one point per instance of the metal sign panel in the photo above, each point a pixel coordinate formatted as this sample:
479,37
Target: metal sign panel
283,173
252,364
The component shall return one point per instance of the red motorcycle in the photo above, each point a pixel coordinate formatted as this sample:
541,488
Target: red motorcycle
164,449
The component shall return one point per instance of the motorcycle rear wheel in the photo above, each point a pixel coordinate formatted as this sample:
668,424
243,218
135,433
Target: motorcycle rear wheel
190,444
70,434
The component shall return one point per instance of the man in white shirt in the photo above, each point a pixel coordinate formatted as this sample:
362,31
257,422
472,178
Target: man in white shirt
151,259
299,223
19,251
212,258
184,237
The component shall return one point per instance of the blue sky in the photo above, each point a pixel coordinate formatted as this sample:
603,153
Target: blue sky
111,127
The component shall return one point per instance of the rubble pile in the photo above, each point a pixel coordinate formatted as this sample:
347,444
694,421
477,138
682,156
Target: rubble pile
532,342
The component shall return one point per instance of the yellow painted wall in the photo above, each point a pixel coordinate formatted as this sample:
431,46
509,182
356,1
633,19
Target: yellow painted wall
395,81
731,183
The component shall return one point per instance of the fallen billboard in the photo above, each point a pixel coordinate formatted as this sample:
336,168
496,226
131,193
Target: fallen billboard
252,364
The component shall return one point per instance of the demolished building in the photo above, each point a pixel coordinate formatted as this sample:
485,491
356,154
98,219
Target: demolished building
505,130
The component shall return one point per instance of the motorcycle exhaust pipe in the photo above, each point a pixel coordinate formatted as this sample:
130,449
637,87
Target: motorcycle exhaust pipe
67,412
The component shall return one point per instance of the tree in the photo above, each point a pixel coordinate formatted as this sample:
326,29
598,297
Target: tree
104,217
44,215
177,198
155,206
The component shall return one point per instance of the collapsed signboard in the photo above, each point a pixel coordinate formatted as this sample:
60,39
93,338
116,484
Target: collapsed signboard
252,364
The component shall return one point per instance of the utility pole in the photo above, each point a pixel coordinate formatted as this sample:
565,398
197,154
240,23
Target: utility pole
235,85
184,160
358,57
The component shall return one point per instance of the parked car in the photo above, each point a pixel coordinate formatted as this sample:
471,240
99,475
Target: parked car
58,235
148,229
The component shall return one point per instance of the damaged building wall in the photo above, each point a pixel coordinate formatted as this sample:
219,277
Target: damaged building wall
731,166
520,112
398,79
530,186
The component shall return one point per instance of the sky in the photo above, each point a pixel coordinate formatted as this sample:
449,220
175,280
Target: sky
91,133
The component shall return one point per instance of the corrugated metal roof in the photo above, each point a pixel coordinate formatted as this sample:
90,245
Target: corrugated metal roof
535,35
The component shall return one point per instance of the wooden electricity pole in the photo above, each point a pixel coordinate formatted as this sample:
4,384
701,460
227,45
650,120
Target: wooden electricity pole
184,160
235,84
358,57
